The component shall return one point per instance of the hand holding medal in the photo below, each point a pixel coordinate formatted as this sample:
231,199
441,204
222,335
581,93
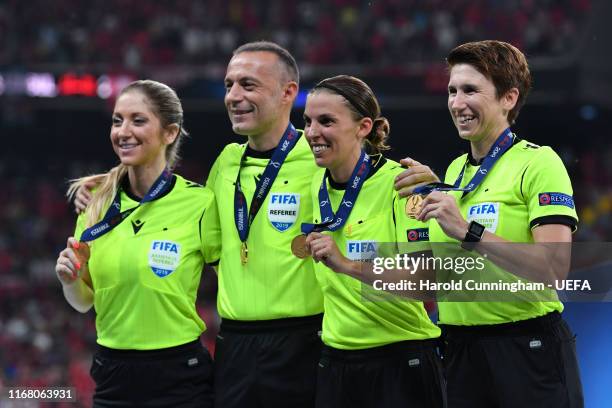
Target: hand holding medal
72,262
409,182
443,207
324,249
82,252
299,248
415,175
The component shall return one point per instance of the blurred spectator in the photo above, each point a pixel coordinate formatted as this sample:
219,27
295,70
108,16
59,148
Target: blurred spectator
594,195
134,33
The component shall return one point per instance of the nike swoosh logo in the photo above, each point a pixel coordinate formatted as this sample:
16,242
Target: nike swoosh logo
136,227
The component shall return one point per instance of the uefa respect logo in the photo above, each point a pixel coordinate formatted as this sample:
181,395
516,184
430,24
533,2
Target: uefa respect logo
545,199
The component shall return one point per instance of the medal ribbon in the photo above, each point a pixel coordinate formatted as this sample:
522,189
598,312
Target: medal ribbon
114,216
263,186
331,221
501,146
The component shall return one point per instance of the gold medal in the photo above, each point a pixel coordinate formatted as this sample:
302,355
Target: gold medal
244,253
413,205
298,247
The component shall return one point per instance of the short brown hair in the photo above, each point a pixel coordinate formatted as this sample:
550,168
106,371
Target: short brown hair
502,63
283,55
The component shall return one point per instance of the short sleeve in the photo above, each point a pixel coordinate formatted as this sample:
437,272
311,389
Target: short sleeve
547,190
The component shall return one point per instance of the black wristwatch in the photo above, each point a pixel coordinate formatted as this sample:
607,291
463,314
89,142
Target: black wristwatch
473,235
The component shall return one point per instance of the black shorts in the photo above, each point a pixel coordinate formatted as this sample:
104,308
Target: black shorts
403,374
178,377
530,363
267,363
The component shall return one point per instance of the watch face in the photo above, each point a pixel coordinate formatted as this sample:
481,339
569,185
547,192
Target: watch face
477,229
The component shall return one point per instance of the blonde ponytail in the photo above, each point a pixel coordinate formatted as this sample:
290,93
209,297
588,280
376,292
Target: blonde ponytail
107,186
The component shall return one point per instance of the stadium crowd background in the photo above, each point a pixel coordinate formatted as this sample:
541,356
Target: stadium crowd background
43,342
132,33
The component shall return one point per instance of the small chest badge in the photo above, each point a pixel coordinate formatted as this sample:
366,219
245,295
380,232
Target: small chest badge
486,214
362,251
164,257
283,209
